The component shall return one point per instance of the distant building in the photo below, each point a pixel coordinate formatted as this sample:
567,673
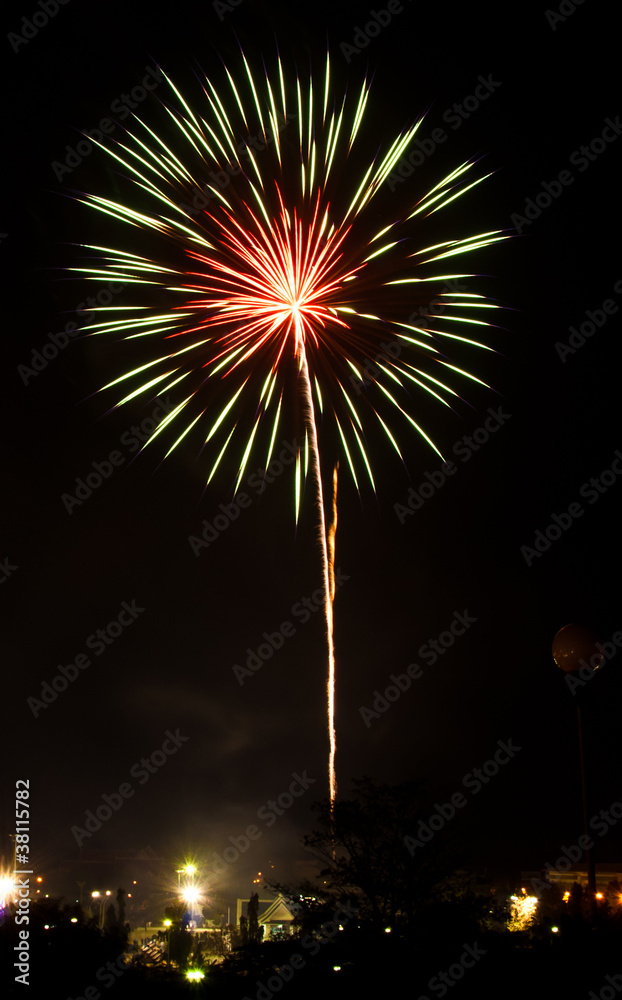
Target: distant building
275,918
605,875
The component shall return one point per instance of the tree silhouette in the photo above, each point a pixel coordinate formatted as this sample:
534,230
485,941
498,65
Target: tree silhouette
365,847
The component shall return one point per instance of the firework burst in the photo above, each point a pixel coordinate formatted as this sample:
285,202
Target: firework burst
268,285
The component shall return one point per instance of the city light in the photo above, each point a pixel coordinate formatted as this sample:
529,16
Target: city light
191,894
194,975
522,912
7,886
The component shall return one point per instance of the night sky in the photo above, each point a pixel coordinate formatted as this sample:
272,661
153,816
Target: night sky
552,88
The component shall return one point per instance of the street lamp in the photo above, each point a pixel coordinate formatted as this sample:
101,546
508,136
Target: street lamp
96,895
167,924
575,651
188,869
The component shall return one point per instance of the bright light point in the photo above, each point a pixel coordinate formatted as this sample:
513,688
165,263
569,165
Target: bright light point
7,885
387,930
336,968
522,912
555,930
74,920
167,923
194,975
190,869
95,894
599,895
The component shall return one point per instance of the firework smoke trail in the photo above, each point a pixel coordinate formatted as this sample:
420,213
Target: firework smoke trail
327,565
282,271
331,665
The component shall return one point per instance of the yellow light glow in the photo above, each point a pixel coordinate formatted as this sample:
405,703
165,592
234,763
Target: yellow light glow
191,894
7,888
522,912
194,975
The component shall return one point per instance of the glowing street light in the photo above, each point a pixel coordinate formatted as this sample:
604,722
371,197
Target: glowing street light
195,975
167,924
189,870
96,895
191,895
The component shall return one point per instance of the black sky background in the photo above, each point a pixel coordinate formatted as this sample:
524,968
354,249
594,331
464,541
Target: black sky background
173,667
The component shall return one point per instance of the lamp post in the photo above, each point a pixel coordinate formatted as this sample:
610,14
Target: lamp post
189,870
167,924
102,899
575,652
